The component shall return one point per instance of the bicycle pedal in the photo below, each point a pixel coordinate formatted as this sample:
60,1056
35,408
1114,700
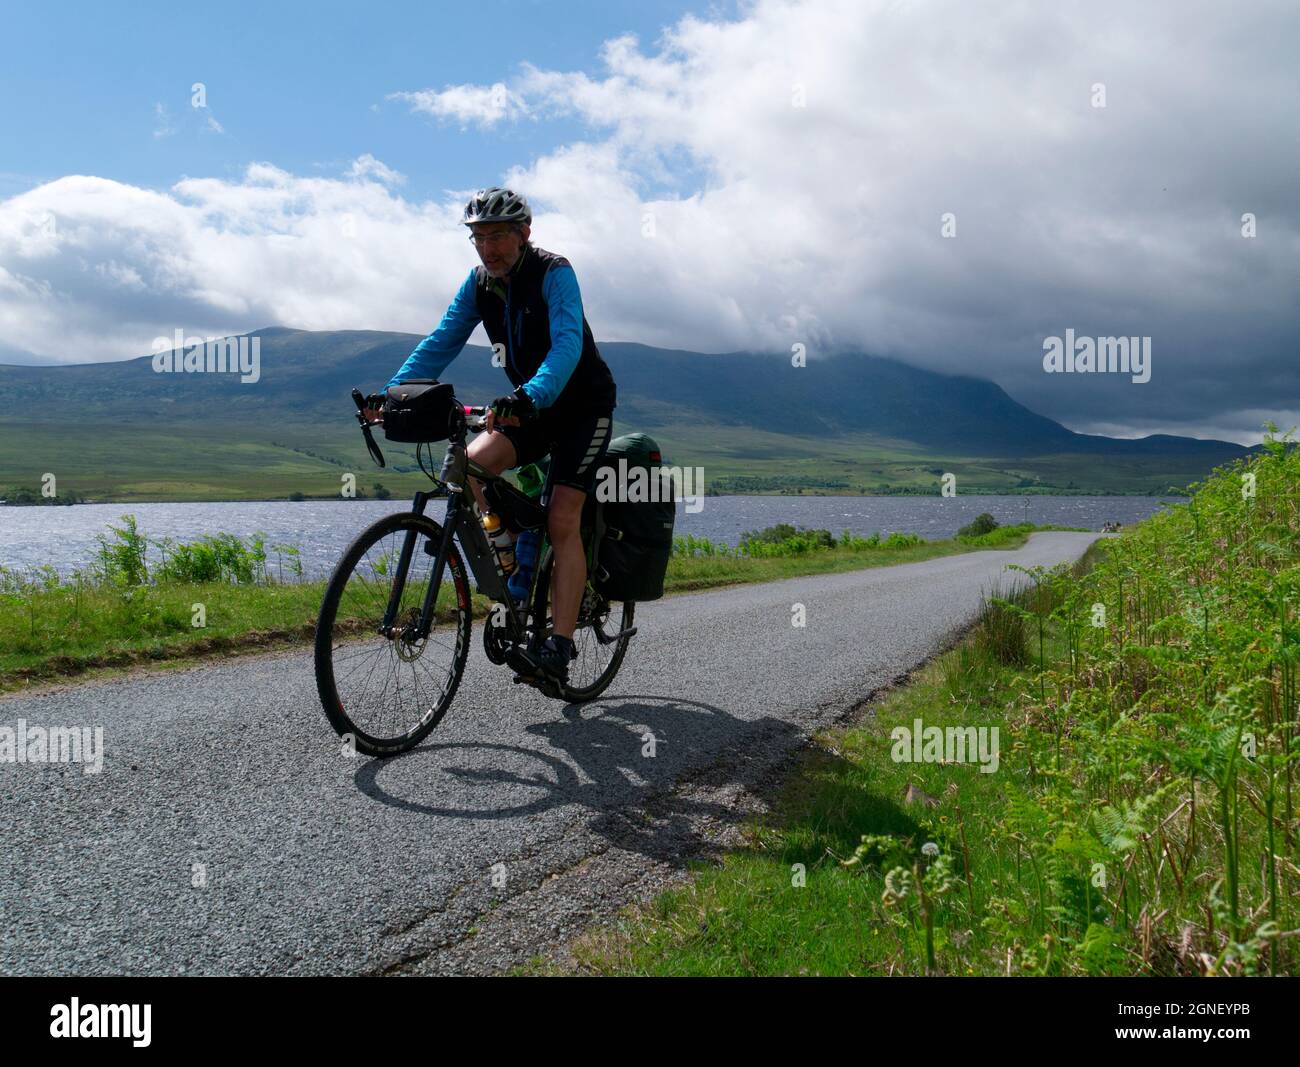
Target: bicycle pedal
546,686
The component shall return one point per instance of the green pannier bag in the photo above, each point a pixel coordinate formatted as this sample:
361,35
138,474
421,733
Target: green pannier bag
632,520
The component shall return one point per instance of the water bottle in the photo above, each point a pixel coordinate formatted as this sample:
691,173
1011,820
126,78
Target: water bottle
499,536
526,546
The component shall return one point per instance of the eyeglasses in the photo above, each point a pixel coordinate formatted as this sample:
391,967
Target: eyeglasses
481,239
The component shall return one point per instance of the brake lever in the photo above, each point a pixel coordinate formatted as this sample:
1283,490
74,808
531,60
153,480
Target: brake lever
371,445
375,454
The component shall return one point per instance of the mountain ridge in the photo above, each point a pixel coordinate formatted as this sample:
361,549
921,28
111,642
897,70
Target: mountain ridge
845,421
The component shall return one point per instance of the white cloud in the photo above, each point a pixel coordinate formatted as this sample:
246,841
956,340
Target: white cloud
471,104
94,269
367,166
781,178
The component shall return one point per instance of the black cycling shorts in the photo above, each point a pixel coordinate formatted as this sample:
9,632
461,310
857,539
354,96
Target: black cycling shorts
576,448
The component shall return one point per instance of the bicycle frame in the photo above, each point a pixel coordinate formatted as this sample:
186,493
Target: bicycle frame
460,521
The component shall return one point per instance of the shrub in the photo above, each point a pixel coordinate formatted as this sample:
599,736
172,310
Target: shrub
902,540
782,531
121,559
981,525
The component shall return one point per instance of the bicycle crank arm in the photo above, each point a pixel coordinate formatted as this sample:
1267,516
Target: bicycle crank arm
609,640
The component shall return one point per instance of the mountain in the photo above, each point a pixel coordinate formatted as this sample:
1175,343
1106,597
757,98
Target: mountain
852,422
865,394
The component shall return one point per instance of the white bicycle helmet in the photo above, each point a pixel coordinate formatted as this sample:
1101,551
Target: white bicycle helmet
497,205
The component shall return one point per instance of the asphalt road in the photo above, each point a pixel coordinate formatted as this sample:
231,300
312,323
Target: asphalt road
227,833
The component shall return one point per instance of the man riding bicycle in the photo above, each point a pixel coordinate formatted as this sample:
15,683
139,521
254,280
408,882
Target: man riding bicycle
563,403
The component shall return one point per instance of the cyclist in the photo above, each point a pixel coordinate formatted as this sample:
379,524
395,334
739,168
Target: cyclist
564,397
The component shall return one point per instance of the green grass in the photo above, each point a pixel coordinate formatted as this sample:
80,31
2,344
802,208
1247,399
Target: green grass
63,632
164,459
127,463
749,460
1142,820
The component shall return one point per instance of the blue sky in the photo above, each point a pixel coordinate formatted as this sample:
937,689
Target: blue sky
739,176
301,85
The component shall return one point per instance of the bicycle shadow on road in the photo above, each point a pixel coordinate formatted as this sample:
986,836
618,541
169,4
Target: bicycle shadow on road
661,775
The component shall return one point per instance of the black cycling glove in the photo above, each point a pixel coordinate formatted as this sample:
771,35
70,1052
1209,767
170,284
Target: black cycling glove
517,405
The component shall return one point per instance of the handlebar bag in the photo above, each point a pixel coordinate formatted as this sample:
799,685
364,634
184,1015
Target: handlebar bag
420,411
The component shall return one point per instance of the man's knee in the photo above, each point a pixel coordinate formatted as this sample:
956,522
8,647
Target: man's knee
564,515
494,452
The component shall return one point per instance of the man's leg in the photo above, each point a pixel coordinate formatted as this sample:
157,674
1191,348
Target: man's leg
574,460
564,524
493,452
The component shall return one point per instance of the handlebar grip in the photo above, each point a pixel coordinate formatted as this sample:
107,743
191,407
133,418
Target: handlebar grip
374,400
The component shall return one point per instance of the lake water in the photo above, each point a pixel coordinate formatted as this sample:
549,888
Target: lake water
65,536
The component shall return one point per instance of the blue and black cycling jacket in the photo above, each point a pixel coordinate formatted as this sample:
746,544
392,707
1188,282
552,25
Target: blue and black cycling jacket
535,314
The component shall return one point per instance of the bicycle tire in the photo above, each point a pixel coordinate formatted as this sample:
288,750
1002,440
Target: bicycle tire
331,638
584,637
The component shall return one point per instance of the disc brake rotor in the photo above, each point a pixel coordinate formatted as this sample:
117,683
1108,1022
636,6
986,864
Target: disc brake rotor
409,647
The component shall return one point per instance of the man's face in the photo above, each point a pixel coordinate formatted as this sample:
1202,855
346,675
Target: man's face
498,245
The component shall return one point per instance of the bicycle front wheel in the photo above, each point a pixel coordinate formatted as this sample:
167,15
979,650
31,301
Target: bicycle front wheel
387,690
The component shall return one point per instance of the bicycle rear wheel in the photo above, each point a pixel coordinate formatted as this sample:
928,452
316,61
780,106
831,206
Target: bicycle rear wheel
388,690
597,663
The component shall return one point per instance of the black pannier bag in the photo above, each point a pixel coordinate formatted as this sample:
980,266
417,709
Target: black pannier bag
635,537
420,411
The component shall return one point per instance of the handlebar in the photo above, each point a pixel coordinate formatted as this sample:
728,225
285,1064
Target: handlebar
475,415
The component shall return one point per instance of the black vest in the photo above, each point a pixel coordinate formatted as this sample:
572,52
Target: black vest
521,324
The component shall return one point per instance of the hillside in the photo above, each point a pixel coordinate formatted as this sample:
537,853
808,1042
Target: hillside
852,423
